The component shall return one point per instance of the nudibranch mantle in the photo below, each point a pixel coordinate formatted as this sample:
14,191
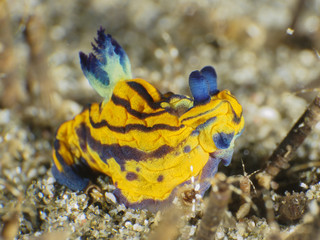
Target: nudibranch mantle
148,143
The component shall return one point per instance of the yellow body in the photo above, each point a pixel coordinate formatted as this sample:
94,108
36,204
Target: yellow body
148,146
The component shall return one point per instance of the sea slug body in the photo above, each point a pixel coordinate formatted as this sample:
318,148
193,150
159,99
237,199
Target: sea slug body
147,142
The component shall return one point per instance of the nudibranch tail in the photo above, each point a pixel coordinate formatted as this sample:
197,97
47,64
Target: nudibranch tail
203,84
105,67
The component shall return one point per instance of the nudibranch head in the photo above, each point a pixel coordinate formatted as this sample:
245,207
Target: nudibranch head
219,120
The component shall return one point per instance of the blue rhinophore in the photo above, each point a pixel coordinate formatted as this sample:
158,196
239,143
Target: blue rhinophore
107,65
222,140
203,84
211,77
198,87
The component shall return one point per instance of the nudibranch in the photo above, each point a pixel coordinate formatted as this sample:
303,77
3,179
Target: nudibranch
148,143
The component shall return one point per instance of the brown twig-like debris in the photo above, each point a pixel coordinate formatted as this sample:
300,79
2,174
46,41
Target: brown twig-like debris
10,227
168,227
284,153
38,78
297,12
13,91
215,211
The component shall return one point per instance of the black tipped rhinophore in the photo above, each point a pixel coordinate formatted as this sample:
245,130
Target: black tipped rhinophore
203,84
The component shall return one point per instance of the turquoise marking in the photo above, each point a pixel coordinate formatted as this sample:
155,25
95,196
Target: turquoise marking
105,67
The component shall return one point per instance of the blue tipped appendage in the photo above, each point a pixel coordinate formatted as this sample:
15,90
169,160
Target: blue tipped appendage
198,87
223,140
211,77
203,84
106,66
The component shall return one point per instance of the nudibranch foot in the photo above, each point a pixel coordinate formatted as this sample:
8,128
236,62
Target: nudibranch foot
70,178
